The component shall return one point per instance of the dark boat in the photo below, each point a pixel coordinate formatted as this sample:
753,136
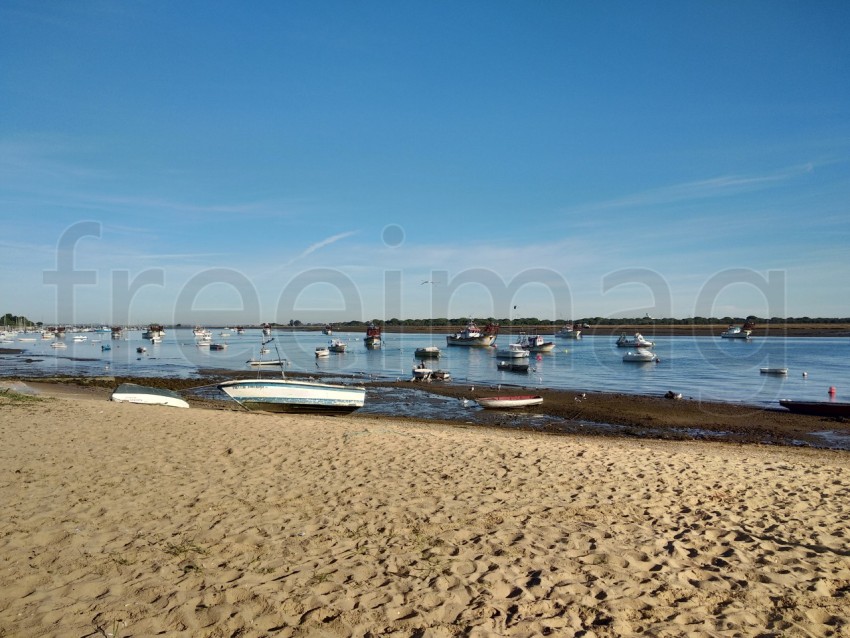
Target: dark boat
513,366
817,408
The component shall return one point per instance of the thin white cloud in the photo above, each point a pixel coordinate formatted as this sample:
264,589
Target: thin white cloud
319,245
703,189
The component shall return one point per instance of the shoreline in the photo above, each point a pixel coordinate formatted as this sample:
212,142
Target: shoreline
563,412
144,520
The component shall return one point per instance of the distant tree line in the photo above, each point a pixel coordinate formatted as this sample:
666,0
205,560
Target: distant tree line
443,322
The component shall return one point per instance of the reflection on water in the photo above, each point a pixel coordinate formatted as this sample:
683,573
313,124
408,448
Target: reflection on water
708,368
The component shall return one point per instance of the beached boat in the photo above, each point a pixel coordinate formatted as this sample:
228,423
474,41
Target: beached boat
637,341
817,408
337,346
132,393
373,336
422,372
513,351
738,332
518,401
427,352
256,363
535,343
441,375
474,337
289,395
777,371
639,356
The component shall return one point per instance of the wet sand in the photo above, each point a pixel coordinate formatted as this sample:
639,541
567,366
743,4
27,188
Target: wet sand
139,520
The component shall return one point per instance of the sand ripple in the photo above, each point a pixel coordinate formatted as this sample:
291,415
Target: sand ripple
143,520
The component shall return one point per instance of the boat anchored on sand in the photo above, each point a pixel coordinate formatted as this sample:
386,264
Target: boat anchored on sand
817,408
518,401
133,393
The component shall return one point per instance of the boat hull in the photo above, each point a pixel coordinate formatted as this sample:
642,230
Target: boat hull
817,408
289,395
484,341
507,402
132,393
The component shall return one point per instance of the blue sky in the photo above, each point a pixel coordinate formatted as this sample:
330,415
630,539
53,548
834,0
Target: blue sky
207,161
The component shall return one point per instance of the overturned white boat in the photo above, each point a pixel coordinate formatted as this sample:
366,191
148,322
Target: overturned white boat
132,393
519,401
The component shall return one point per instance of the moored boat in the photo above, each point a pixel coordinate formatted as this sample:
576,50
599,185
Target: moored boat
738,332
535,343
133,393
322,351
777,371
570,331
373,336
427,352
518,401
337,345
817,408
513,351
637,341
513,365
640,356
289,395
473,336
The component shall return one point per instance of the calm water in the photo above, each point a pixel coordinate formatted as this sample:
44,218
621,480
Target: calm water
709,368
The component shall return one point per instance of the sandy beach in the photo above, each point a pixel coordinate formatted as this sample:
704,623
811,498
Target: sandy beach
128,520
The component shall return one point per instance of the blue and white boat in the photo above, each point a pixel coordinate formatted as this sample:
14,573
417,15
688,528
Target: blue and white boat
291,395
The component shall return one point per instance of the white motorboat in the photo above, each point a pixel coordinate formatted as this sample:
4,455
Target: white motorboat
58,344
513,351
519,401
738,332
473,336
427,352
267,329
441,375
569,332
637,341
154,330
422,372
288,395
132,393
337,345
322,351
640,356
535,343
